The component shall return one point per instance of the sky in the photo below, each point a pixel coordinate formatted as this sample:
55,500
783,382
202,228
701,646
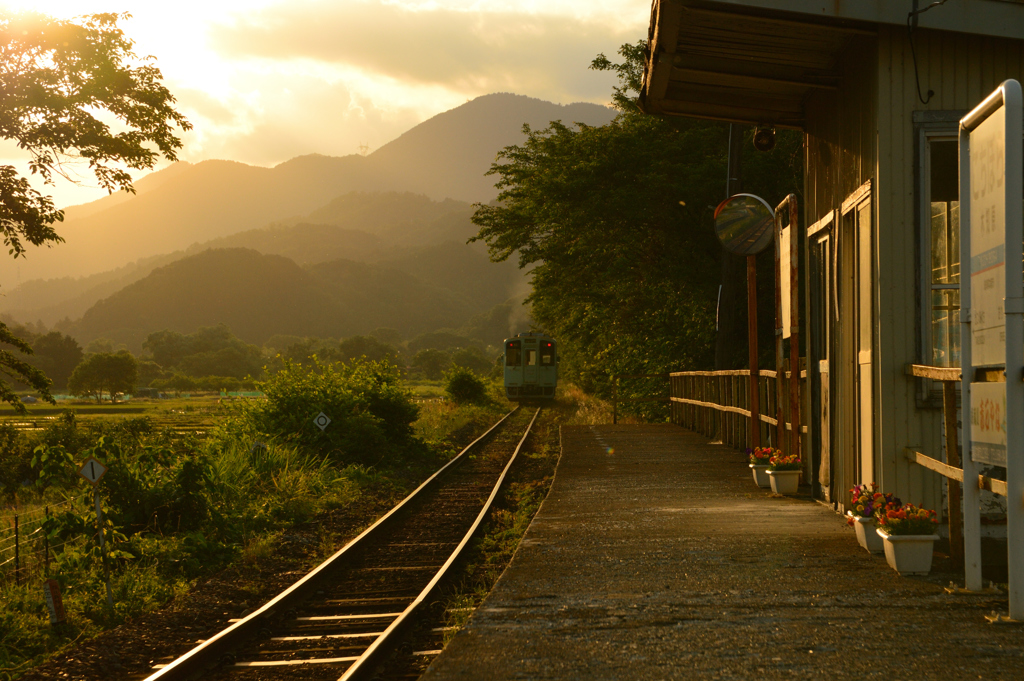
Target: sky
263,81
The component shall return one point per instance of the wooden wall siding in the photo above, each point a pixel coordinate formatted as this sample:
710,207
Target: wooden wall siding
961,70
865,131
840,154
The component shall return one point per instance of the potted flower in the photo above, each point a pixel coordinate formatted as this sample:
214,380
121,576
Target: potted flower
759,459
909,535
865,499
784,472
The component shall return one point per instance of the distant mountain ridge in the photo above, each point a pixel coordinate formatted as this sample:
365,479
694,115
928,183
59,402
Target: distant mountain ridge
365,227
444,157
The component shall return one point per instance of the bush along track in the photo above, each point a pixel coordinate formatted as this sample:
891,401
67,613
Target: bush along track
215,527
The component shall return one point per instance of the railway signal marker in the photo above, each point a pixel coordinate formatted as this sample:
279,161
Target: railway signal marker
92,470
322,420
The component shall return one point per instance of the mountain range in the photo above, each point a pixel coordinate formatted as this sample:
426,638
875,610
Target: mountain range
314,246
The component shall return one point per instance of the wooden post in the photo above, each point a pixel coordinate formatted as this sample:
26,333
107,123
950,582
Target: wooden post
755,411
17,552
956,536
615,400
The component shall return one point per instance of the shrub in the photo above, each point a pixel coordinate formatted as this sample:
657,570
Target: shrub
370,415
463,386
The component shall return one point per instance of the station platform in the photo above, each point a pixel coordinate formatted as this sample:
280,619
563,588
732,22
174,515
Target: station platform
655,556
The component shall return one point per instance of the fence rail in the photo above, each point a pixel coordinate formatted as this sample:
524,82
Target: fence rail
717,404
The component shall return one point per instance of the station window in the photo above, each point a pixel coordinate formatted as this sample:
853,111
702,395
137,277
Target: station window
944,253
547,354
513,354
531,357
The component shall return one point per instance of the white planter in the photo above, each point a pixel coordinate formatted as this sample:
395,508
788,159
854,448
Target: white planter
867,536
784,482
909,554
760,475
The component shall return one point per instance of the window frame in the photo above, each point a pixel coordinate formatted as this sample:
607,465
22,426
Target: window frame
928,126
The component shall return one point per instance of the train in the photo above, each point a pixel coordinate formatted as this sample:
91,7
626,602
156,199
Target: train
531,366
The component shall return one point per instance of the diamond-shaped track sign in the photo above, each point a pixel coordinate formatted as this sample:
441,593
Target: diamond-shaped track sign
92,470
322,420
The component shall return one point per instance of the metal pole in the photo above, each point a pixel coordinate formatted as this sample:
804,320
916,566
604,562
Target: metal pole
755,407
103,548
46,545
780,369
972,496
1013,306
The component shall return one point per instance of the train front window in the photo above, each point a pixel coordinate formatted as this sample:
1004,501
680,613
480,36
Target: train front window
513,356
531,357
547,354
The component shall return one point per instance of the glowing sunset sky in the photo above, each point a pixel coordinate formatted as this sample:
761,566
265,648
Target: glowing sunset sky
263,81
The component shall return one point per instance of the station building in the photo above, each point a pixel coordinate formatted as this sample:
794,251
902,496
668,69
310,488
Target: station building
878,88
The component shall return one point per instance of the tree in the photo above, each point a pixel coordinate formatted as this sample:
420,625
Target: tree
432,362
105,372
57,355
616,224
365,346
65,83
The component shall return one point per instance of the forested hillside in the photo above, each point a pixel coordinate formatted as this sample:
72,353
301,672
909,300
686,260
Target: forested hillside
259,296
444,157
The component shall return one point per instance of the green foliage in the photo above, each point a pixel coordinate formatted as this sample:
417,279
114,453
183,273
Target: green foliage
474,360
15,459
56,355
104,372
630,73
616,223
18,370
463,386
432,362
210,351
371,415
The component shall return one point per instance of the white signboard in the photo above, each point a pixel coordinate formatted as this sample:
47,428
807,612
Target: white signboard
988,423
785,274
988,247
92,470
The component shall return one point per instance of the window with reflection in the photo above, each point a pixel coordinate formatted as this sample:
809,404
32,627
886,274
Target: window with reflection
944,204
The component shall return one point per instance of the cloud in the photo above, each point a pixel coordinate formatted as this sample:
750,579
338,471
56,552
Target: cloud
270,117
470,51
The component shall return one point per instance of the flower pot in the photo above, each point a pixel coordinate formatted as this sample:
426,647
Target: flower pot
784,482
909,554
867,536
760,475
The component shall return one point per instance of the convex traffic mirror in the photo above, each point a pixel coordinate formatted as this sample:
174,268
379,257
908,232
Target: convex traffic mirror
745,224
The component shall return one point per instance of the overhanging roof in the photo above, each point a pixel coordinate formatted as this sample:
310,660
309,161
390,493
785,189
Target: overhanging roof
730,62
756,61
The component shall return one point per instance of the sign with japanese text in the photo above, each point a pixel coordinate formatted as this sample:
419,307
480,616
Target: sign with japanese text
988,423
988,243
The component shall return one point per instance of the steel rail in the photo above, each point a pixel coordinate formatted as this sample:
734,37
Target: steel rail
363,666
211,650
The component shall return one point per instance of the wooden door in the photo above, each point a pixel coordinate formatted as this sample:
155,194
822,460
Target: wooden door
820,322
859,324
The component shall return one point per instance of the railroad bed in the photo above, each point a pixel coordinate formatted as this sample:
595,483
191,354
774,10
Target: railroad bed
345,618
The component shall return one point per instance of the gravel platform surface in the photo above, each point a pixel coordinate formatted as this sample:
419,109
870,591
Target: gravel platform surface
656,557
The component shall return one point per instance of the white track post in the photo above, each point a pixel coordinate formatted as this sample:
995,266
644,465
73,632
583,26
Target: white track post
971,493
1013,306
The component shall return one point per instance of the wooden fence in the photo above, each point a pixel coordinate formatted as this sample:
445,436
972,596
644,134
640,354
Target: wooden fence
717,404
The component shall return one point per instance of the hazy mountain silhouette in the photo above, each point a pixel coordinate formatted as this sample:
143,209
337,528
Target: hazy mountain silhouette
259,296
444,157
370,227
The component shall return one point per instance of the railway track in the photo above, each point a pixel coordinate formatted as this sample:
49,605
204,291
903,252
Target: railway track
343,618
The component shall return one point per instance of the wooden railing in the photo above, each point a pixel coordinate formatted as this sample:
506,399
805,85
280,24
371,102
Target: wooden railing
717,404
950,469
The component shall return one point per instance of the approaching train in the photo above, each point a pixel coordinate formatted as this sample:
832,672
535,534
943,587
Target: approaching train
531,366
